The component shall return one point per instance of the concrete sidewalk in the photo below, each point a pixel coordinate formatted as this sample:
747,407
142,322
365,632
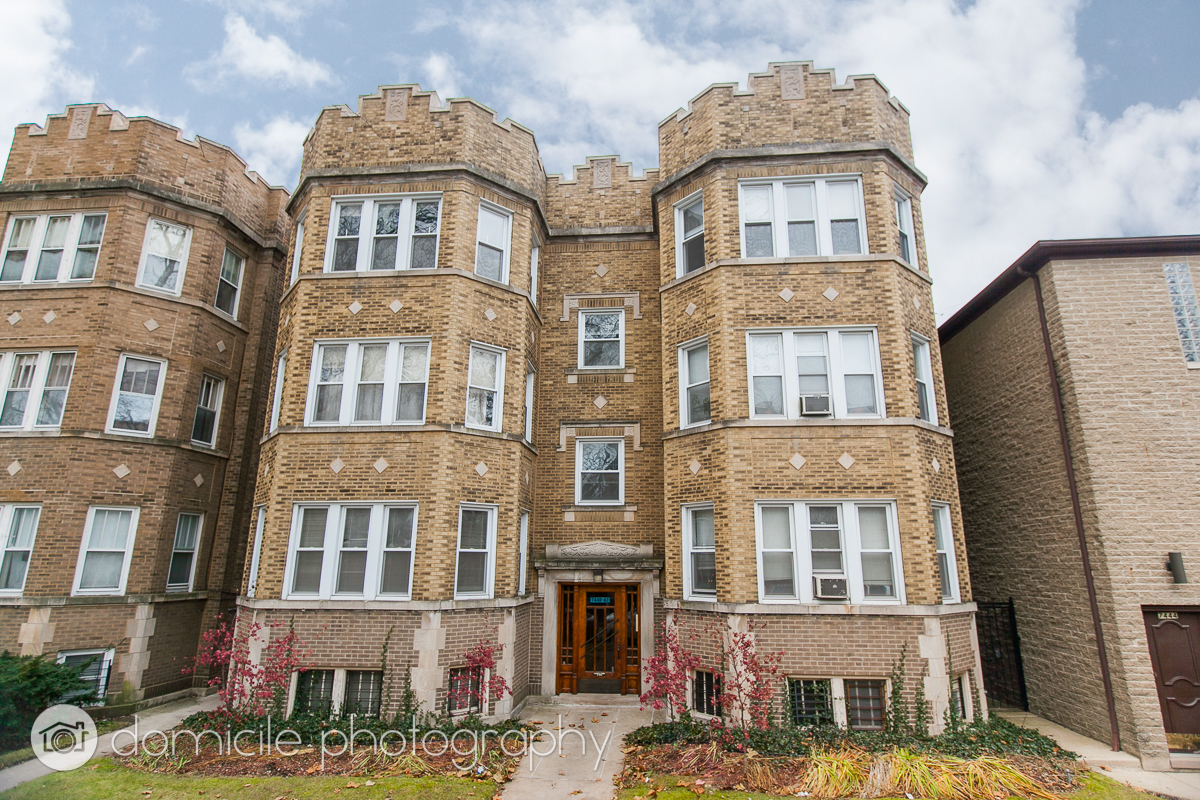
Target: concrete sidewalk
583,754
161,718
1123,767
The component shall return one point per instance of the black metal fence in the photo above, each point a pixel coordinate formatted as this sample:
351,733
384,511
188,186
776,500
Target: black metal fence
1000,651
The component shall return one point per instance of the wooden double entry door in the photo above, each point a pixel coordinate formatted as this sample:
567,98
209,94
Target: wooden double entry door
599,633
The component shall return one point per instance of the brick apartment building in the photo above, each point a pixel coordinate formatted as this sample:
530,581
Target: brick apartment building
1087,353
139,285
554,414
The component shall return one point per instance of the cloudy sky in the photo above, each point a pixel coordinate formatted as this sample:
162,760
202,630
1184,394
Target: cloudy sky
1034,119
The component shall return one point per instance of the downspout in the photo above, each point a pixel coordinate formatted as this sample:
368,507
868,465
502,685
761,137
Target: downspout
1105,676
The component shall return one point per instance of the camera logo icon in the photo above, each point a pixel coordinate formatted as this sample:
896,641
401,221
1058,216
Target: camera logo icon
63,737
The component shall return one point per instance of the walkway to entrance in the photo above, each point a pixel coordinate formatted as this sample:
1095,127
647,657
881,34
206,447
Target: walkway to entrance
587,762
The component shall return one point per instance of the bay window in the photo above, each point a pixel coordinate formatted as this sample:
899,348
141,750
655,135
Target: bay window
802,216
34,388
351,550
18,527
368,383
52,247
183,553
943,534
134,407
164,256
104,553
391,232
814,372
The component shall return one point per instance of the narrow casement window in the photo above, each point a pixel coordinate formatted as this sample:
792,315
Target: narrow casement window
256,552
277,401
921,370
229,283
473,573
485,376
530,376
599,471
523,553
106,550
879,578
690,220
696,394
183,554
811,702
345,242
533,270
778,551
843,216
364,690
858,364
330,377
1185,308
492,244
352,556
164,256
55,241
298,250
864,705
208,407
757,237
314,692
947,567
766,364
904,228
706,693
702,547
396,575
18,546
825,534
19,239
602,339
310,551
139,387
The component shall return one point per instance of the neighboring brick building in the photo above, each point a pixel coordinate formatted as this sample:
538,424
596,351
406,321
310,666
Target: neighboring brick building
139,284
552,413
1121,332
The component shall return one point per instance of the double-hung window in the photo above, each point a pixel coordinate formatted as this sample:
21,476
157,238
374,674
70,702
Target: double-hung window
904,228
104,553
689,235
35,388
18,526
923,375
52,247
475,568
229,283
599,472
817,551
492,242
134,408
817,216
943,533
383,233
352,550
485,387
1185,308
208,411
699,546
694,394
368,383
601,339
814,372
164,256
183,553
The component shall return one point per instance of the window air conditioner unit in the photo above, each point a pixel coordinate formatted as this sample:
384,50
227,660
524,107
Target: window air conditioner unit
831,587
814,405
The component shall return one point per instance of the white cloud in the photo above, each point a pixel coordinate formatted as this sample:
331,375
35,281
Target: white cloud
248,55
287,11
137,53
442,77
35,79
273,150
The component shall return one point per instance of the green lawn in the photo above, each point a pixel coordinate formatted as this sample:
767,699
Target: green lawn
108,780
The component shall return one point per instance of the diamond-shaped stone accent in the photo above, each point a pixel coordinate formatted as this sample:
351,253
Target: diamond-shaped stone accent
120,470
395,306
337,465
797,461
916,302
14,318
787,295
151,325
481,468
354,307
846,460
690,310
937,465
380,465
220,345
694,466
600,401
491,315
830,294
601,270
14,467
198,480
49,317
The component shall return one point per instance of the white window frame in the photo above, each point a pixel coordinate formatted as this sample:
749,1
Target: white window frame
237,287
580,443
332,549
943,519
498,403
8,515
579,346
112,409
523,553
106,659
489,580
680,207
37,387
350,382
923,375
834,365
822,219
686,383
366,232
256,554
1181,291
904,228
530,381
506,251
37,240
217,396
187,247
200,520
298,249
852,551
689,591
534,255
276,401
83,551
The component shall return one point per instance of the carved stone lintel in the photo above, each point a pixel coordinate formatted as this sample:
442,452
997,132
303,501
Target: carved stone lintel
599,549
791,82
602,173
80,118
395,105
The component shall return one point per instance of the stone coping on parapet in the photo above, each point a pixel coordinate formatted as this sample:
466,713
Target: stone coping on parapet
913,422
822,609
382,605
839,259
103,600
